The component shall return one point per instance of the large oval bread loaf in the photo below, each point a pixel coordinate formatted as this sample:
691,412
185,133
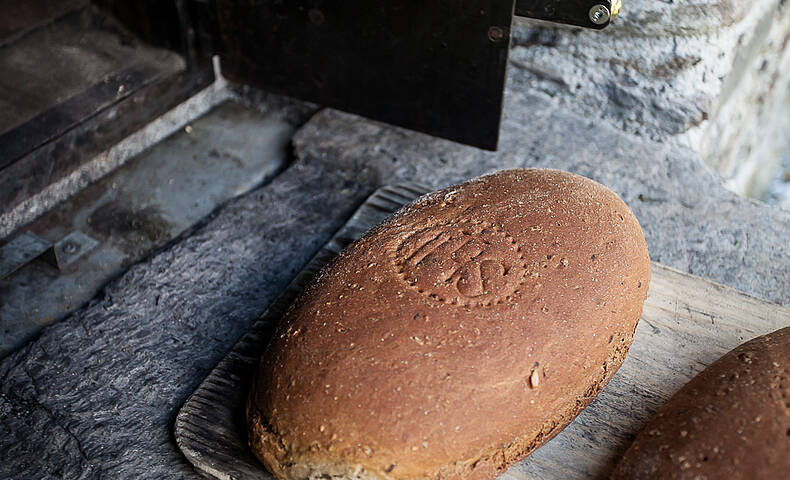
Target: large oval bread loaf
457,336
732,421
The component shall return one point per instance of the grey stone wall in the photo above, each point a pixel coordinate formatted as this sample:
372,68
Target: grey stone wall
713,75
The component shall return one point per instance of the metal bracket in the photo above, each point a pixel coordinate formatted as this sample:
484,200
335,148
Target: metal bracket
72,247
596,14
28,247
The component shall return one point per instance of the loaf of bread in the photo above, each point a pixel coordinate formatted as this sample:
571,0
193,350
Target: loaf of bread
457,336
732,421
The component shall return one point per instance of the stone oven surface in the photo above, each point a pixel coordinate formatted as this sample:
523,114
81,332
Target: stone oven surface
658,115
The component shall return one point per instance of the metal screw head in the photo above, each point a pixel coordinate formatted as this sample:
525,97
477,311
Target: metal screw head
496,34
70,247
599,14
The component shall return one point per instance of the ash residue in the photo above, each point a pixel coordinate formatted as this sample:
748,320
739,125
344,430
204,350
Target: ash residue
129,228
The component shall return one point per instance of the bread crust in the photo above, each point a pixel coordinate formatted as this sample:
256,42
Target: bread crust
730,421
457,336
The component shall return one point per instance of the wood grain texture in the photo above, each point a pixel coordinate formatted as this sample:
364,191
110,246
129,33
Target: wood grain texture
688,323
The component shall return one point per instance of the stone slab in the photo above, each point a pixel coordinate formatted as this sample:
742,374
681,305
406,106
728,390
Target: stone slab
691,221
140,207
96,394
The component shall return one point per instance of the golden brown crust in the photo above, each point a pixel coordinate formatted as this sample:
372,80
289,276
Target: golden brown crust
731,421
457,336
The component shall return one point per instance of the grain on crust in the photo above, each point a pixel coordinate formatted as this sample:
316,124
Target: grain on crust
730,421
457,336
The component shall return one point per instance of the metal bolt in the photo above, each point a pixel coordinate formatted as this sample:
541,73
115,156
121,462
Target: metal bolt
70,247
599,14
496,34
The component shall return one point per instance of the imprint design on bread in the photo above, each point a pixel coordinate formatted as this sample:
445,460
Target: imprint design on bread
463,263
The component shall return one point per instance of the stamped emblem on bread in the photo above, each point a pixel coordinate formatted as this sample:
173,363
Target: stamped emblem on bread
370,372
464,263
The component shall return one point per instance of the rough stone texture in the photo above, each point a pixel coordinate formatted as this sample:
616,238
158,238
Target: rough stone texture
749,128
140,207
691,222
96,394
713,74
779,194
